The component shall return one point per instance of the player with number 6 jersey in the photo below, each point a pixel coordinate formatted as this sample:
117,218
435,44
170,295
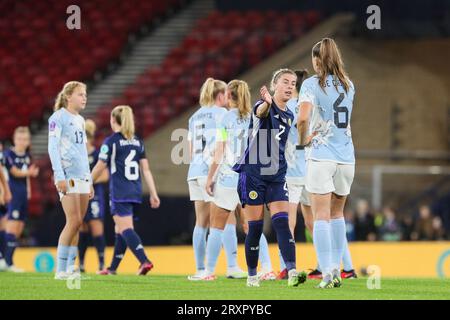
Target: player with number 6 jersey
124,155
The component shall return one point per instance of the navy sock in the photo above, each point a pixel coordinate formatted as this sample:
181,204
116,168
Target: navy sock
11,244
2,244
255,230
286,242
135,244
100,244
82,246
120,246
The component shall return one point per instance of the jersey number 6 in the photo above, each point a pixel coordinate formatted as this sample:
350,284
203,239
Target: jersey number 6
340,109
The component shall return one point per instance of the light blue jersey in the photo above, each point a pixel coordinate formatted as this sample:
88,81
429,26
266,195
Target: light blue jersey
295,158
202,134
234,131
67,146
331,115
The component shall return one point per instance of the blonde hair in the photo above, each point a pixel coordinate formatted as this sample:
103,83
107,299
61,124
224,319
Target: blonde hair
23,129
330,62
123,115
240,97
276,76
209,91
67,90
90,128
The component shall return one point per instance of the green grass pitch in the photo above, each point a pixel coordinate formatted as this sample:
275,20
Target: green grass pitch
42,286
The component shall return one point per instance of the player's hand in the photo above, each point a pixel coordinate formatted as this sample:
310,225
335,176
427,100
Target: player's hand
265,95
210,187
2,200
309,138
154,201
61,186
33,171
91,193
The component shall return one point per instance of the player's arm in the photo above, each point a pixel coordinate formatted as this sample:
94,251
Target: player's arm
148,177
32,171
98,171
6,192
303,123
262,111
217,160
54,139
28,188
104,177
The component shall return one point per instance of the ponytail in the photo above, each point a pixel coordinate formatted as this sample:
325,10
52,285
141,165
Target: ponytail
123,115
330,62
67,90
90,128
240,97
209,91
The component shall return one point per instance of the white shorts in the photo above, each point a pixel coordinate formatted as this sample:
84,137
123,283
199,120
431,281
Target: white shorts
226,198
326,176
77,186
298,193
197,191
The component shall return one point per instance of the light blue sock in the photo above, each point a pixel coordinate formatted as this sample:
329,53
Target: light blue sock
71,257
213,246
199,244
338,237
322,244
229,240
264,255
347,258
62,254
282,264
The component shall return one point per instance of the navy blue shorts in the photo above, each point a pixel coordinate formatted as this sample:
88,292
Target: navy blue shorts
95,211
18,209
3,211
124,209
254,191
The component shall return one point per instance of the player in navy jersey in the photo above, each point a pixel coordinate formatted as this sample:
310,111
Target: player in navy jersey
20,170
124,155
326,103
5,198
93,221
262,174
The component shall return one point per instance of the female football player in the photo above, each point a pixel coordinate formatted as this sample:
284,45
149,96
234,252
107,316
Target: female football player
262,174
93,221
326,103
222,181
124,155
20,170
70,163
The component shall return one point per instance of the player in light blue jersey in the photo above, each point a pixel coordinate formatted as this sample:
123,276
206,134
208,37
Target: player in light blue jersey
222,180
70,163
124,155
5,198
326,102
202,136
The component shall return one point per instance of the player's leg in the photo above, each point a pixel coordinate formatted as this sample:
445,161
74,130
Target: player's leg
202,215
83,199
83,243
338,233
72,211
255,217
13,231
230,245
120,247
123,218
294,198
98,240
218,220
3,211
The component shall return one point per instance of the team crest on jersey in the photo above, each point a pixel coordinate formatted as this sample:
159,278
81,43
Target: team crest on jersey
104,149
290,122
15,214
253,195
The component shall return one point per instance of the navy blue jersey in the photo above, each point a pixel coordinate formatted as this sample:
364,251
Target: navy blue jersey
122,157
18,186
264,156
93,159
